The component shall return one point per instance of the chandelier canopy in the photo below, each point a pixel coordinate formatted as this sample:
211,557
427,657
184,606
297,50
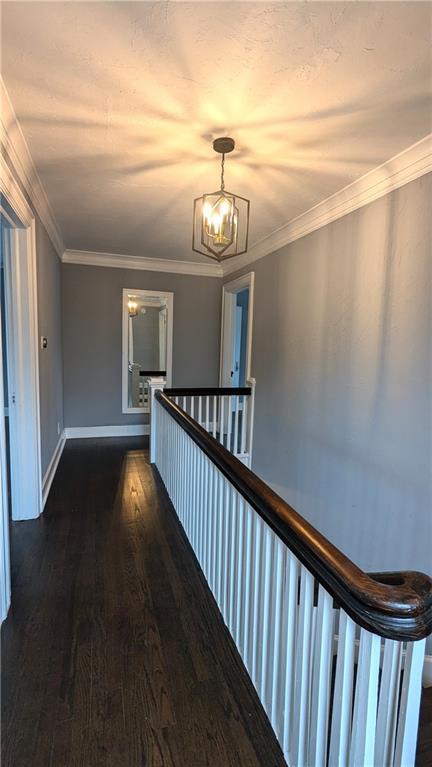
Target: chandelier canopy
221,218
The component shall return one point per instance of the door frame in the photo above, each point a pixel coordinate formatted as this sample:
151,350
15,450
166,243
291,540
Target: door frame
23,353
229,293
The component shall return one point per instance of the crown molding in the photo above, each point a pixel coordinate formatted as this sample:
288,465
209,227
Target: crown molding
22,165
117,261
410,164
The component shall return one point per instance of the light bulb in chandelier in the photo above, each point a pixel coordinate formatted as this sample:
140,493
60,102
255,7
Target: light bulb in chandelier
221,218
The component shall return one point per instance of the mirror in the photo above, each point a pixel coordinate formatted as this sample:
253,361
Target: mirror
147,345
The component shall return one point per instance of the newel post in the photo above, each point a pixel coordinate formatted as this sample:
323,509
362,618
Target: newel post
155,384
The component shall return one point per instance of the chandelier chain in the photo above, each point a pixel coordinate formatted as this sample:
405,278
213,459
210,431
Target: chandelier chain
222,172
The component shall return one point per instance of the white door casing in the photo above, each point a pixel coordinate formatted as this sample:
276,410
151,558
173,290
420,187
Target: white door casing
228,327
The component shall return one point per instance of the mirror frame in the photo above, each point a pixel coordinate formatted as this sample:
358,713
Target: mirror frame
169,298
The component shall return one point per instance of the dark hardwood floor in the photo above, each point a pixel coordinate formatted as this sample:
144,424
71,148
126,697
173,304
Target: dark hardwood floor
114,652
424,744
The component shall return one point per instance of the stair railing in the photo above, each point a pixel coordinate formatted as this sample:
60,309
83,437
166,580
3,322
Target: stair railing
227,413
335,654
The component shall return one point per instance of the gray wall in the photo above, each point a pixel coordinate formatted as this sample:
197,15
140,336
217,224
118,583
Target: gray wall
92,337
49,323
342,358
50,359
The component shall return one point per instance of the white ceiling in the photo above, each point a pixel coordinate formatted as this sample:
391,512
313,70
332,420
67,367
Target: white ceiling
119,103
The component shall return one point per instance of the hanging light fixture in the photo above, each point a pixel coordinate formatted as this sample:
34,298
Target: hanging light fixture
221,218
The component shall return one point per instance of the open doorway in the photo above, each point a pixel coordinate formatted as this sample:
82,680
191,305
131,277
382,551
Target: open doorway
20,461
236,335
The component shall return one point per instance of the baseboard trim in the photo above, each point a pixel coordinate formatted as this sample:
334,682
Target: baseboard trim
52,468
84,432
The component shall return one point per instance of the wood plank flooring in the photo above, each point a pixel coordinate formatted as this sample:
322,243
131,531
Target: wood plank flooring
114,652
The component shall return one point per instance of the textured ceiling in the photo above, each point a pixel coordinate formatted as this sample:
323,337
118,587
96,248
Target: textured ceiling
119,103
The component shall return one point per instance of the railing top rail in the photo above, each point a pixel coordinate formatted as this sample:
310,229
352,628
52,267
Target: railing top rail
396,605
209,391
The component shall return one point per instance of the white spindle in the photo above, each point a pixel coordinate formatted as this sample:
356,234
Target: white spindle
229,424
388,703
256,603
214,420
365,700
287,641
241,525
276,680
207,414
299,731
406,737
343,693
236,425
244,426
321,680
266,619
221,420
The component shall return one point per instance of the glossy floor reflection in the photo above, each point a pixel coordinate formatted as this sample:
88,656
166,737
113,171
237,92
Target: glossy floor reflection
114,652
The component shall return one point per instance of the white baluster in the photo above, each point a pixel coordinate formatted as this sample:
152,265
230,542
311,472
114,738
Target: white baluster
236,425
214,423
245,648
240,570
229,425
343,693
233,562
221,420
266,620
207,416
365,700
244,425
299,731
406,737
388,703
321,680
278,619
290,610
256,597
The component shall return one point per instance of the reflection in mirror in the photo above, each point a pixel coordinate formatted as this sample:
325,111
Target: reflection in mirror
147,342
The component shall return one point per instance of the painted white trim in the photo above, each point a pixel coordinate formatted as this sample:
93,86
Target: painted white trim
52,468
83,432
228,290
23,354
118,261
410,164
427,671
167,296
15,145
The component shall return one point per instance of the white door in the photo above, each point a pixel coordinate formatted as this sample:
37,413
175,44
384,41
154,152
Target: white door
235,365
231,331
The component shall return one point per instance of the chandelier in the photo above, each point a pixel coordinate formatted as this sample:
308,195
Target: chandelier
221,218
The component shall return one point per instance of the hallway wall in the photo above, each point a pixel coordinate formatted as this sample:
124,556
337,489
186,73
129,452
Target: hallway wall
48,266
92,337
51,358
342,358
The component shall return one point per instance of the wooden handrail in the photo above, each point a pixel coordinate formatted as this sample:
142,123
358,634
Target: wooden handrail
151,373
209,391
395,605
